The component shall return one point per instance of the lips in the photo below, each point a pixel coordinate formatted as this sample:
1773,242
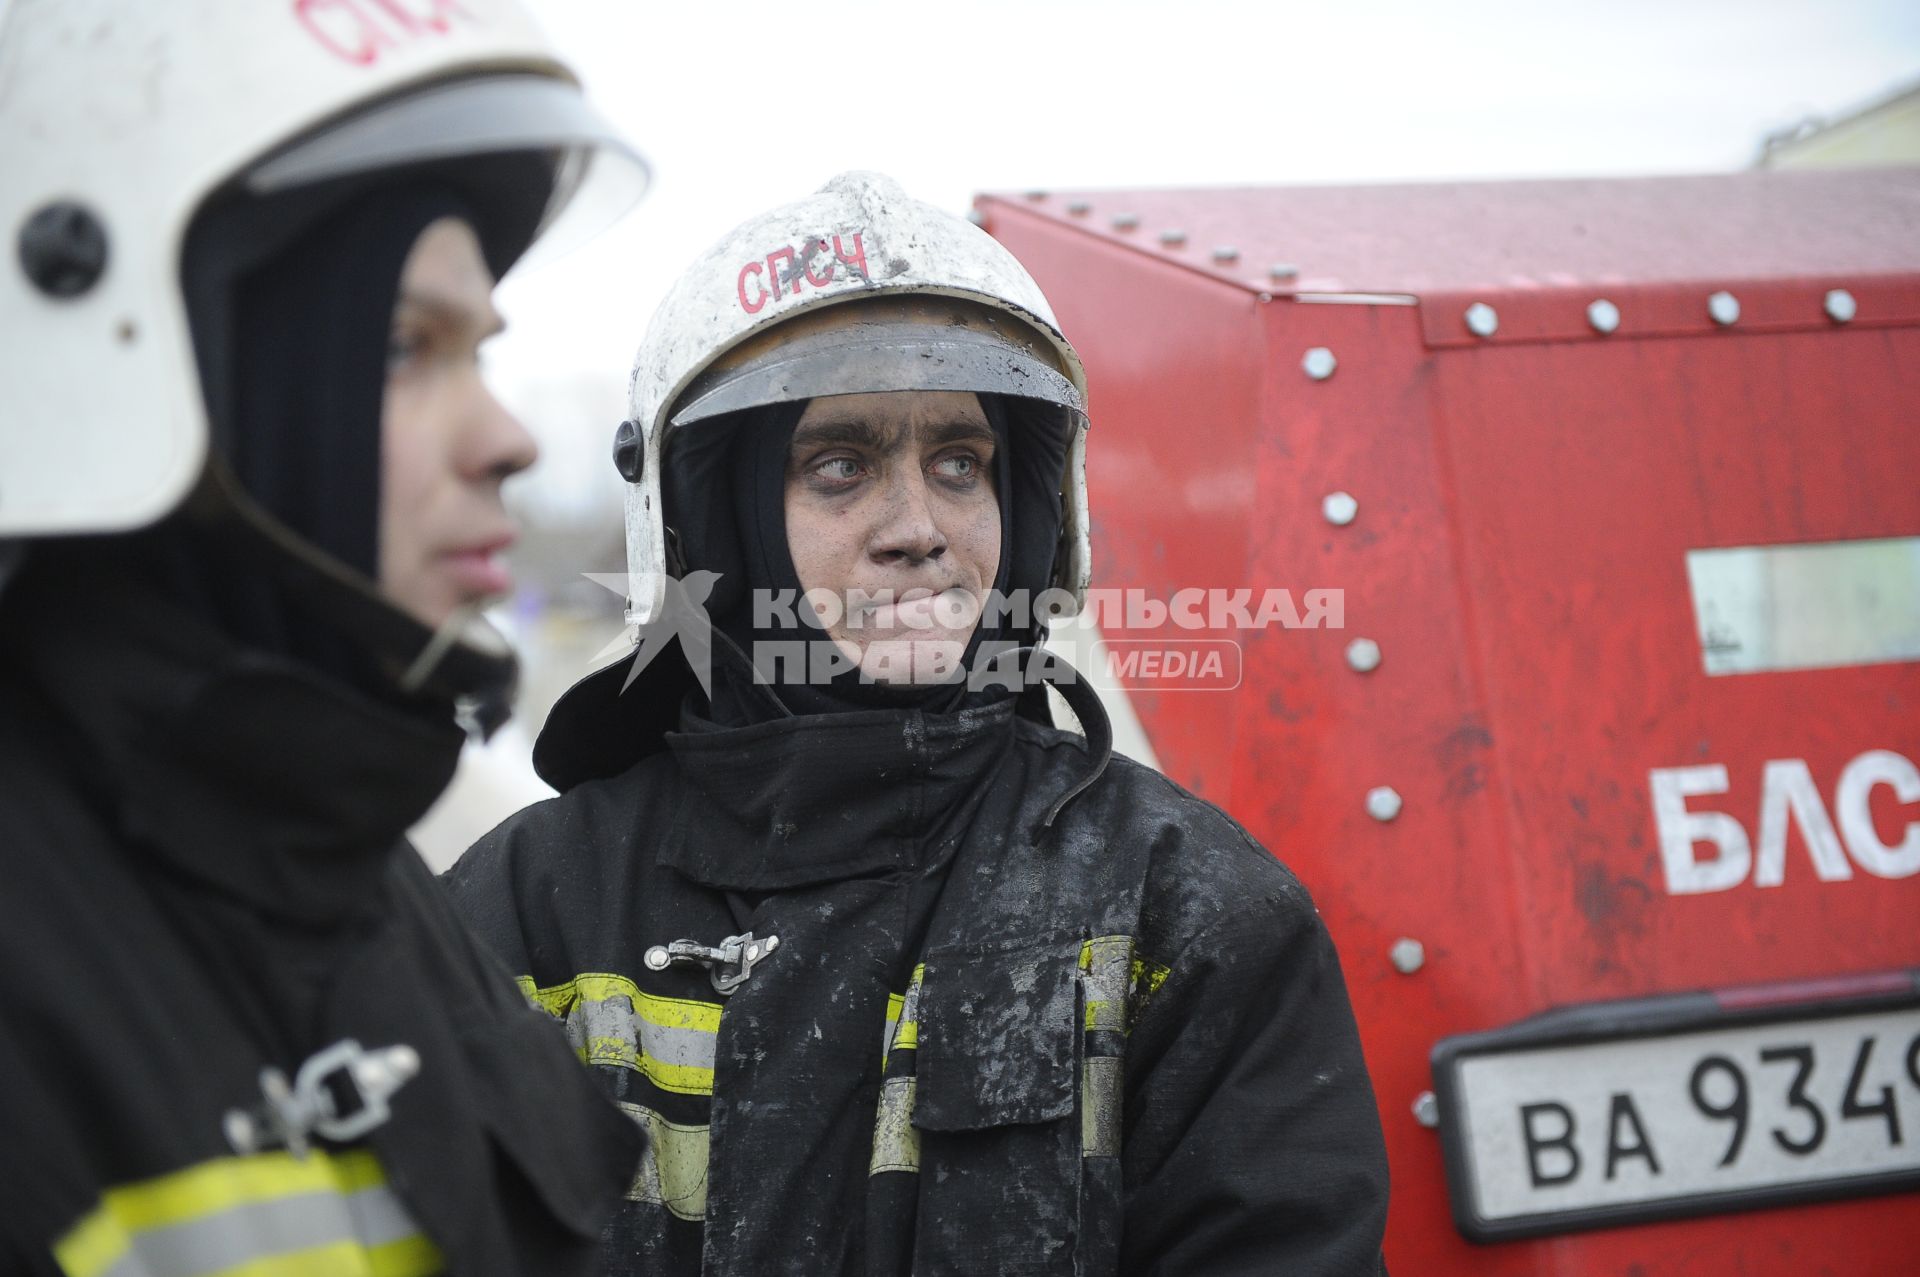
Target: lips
477,570
923,610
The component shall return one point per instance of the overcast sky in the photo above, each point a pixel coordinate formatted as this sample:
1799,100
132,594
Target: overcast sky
741,106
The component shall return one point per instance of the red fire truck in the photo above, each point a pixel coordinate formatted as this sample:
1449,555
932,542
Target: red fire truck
1608,781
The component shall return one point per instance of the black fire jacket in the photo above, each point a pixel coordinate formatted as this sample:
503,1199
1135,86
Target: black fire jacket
203,875
983,1043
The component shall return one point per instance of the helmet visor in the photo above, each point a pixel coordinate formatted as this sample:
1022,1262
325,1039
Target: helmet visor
877,346
598,176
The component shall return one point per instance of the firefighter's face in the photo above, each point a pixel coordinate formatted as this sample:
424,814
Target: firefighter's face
890,507
446,443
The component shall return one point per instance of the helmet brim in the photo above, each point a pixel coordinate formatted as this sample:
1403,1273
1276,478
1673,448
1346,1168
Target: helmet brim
874,358
598,176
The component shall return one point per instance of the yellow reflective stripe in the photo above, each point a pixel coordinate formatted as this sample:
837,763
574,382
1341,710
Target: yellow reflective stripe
673,1171
1118,981
1143,981
358,1168
92,1246
262,1196
405,1258
677,1059
1147,977
227,1182
903,1017
681,1079
1104,961
669,1013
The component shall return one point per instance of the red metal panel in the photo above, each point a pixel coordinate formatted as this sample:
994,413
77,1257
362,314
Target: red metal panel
1672,310
1510,237
1526,505
1316,735
1581,475
1179,470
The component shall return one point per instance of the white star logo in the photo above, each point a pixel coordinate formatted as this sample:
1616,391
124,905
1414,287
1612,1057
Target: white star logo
682,614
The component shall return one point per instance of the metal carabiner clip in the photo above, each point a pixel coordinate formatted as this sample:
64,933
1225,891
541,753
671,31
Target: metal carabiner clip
339,1093
728,964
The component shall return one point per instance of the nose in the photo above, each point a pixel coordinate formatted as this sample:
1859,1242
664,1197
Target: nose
907,532
494,444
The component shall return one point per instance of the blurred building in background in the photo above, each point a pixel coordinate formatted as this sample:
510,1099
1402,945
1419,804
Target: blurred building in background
1885,131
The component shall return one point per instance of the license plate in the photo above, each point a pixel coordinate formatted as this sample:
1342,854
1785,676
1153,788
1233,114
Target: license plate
1622,1112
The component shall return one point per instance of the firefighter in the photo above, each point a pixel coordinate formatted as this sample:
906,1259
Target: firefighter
897,976
249,508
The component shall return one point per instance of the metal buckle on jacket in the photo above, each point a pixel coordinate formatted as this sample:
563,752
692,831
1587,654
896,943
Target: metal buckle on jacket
339,1093
728,965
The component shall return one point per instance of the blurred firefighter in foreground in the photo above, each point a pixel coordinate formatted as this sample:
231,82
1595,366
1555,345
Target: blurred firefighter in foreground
249,505
898,977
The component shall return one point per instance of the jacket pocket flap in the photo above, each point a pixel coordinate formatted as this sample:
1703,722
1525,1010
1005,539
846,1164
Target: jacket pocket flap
999,1035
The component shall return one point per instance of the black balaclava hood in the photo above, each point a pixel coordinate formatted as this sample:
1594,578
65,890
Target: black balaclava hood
294,356
311,356
291,300
724,497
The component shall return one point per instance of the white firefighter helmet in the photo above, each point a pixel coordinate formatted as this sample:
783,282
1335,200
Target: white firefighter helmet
119,119
760,318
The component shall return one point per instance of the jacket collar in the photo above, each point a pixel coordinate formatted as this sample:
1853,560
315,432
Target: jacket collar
252,774
817,798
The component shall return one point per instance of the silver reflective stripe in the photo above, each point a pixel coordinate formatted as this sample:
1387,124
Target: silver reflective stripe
614,1018
673,1173
1100,1106
896,1141
896,1144
261,1230
611,1022
895,1005
379,1216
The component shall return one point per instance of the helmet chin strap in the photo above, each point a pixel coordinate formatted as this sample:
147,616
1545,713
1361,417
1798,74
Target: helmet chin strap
465,630
465,662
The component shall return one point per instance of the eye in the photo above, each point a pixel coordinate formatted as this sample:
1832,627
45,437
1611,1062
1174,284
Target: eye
837,469
961,466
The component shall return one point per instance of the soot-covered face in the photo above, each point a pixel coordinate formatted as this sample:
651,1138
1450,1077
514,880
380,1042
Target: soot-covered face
891,510
447,444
